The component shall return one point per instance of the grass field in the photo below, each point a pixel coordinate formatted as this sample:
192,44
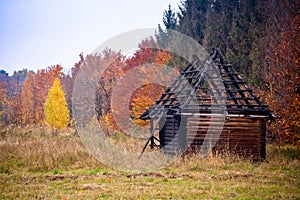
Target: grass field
35,164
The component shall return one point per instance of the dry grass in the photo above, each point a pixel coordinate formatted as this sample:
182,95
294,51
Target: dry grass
40,150
128,143
41,165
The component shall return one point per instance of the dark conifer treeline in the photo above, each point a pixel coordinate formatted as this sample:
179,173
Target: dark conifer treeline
246,31
261,39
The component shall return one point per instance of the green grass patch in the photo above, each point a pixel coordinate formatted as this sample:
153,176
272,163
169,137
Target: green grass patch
56,171
291,152
94,171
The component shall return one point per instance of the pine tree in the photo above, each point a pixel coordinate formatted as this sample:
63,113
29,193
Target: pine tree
170,19
56,108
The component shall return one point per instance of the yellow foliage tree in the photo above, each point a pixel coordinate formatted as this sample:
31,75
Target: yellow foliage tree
56,109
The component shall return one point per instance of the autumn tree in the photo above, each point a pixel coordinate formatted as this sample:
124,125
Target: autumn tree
3,93
142,99
13,110
67,81
113,63
67,84
146,95
10,96
28,100
146,53
43,80
134,71
24,94
116,67
281,84
13,113
56,108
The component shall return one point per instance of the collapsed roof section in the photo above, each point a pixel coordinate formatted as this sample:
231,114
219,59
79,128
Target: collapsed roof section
206,87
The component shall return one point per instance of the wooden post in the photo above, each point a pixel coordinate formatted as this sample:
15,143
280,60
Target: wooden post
182,141
152,134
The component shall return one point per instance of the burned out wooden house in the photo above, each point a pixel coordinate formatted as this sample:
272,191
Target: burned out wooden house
209,107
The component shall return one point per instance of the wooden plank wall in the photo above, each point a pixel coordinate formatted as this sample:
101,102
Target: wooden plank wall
242,136
168,135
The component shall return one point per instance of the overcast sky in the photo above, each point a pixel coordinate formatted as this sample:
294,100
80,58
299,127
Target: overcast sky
35,34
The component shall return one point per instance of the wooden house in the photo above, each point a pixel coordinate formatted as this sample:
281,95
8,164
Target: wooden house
209,107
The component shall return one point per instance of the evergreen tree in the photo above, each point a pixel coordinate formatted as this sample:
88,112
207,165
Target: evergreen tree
234,26
170,23
192,18
166,39
170,19
56,108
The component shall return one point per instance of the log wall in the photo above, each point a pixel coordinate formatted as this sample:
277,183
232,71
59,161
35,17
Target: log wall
242,136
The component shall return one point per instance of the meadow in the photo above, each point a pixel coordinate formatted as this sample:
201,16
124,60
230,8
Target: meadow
37,164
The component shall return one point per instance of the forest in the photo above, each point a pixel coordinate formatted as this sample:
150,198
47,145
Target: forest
261,39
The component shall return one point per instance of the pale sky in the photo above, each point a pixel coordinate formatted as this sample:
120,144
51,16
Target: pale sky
35,34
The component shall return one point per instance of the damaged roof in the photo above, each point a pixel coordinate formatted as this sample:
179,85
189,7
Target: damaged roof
208,86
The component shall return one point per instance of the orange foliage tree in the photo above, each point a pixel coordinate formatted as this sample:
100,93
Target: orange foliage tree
3,92
142,99
146,95
146,58
28,100
281,84
43,81
113,63
145,54
14,112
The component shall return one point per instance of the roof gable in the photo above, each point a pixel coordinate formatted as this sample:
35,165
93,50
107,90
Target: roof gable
207,85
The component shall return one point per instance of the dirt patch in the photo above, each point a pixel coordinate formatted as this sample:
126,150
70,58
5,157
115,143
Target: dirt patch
60,177
158,175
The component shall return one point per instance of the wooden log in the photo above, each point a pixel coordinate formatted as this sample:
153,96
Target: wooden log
228,123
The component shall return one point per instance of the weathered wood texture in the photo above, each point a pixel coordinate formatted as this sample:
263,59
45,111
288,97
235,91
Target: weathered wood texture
211,90
242,136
